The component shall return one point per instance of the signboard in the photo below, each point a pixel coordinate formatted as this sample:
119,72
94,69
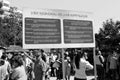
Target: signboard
54,28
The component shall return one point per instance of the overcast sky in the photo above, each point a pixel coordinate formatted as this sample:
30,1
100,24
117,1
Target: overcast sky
102,9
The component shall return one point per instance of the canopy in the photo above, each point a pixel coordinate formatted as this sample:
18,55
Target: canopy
14,48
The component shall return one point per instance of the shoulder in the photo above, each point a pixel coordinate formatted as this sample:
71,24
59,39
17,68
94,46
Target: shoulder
83,61
7,63
87,62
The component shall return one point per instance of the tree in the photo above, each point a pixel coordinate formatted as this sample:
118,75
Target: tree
108,37
11,28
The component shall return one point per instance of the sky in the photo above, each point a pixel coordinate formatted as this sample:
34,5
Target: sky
102,9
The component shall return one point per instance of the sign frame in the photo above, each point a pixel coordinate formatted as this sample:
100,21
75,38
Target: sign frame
58,14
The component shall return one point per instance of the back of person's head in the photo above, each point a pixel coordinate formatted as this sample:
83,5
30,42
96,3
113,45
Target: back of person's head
78,56
18,59
42,51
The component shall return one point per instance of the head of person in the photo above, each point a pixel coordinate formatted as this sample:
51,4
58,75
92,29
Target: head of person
10,55
4,57
17,61
98,52
65,55
86,55
38,54
79,55
43,55
114,53
42,51
2,50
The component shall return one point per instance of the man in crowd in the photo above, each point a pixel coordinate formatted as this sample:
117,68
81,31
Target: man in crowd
99,65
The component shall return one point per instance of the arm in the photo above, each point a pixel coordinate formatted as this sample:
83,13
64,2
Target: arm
31,58
88,65
73,63
102,59
9,69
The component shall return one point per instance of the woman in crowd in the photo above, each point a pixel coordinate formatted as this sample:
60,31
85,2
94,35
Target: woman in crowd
18,72
81,65
67,67
6,68
2,75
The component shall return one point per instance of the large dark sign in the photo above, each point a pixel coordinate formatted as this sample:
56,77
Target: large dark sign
78,31
42,31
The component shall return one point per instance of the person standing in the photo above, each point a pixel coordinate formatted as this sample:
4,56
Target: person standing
119,67
39,65
6,67
18,72
67,67
29,67
81,65
99,65
112,65
2,75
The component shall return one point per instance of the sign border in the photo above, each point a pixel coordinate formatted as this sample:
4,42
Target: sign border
89,16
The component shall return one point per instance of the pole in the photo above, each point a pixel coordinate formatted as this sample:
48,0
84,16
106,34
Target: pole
95,72
14,28
63,64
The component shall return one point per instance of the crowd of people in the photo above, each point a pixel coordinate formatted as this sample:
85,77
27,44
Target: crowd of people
108,68
35,65
22,66
39,65
32,65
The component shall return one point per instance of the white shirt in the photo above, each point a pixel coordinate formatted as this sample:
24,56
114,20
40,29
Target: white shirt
28,61
2,75
19,73
80,73
4,70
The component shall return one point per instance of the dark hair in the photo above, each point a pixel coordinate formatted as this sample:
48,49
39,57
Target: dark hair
3,56
42,50
2,62
18,59
77,59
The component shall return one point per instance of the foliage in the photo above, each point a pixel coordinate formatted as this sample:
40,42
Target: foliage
11,28
108,37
